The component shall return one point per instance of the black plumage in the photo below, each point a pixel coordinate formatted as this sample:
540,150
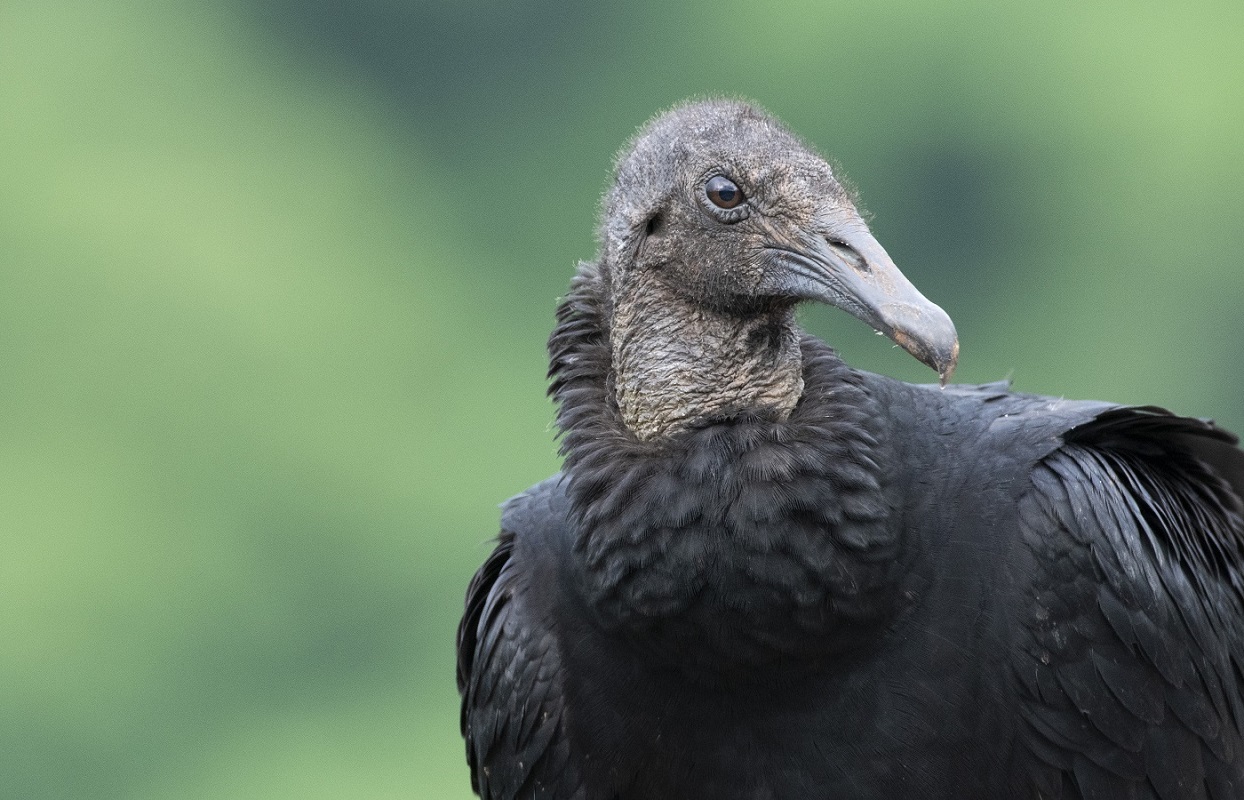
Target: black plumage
764,574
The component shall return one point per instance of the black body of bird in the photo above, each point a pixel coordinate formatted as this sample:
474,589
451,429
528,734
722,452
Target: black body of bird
764,574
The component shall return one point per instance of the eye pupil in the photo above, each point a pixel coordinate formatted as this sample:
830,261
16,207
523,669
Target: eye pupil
723,192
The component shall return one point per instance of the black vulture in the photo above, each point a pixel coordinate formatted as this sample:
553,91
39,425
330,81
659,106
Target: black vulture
765,574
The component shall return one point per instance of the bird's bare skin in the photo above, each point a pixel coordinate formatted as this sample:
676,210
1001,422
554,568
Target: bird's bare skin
676,364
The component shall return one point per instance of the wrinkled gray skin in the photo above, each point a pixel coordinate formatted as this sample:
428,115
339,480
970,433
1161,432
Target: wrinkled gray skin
702,299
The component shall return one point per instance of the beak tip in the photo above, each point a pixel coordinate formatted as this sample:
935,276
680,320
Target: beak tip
946,368
931,351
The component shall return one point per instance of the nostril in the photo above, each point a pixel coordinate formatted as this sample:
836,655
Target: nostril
848,254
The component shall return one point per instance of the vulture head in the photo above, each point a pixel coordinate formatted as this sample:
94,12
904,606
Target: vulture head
718,223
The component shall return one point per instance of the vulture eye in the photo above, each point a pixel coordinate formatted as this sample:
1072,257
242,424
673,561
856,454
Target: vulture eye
722,192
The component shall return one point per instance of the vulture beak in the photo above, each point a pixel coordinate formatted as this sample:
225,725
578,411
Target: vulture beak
850,270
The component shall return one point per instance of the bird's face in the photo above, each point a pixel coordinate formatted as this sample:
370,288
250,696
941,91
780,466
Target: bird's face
730,211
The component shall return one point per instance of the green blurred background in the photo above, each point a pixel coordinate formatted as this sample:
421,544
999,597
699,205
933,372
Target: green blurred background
275,279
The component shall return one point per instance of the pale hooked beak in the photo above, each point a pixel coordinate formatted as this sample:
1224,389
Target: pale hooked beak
850,270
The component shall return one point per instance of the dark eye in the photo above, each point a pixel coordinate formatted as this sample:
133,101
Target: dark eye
722,192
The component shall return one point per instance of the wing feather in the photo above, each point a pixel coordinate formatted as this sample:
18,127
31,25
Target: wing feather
1134,628
509,679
